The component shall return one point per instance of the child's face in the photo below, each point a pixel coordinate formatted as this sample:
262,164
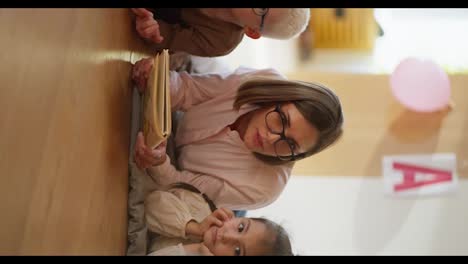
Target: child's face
259,136
237,237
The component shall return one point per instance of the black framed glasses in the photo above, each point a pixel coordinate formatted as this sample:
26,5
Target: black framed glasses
276,121
262,12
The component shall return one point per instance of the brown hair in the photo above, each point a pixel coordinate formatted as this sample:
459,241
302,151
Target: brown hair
278,243
317,103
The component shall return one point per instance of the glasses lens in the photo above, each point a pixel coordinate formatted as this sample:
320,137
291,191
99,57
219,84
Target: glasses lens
284,151
283,148
274,122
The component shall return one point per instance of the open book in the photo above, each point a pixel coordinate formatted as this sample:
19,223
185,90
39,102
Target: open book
156,102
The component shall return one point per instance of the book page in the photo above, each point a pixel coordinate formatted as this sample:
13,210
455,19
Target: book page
156,102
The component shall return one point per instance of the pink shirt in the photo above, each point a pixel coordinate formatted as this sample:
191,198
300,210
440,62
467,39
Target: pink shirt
212,157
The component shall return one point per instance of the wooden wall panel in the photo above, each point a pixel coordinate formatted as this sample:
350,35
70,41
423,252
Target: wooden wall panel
64,130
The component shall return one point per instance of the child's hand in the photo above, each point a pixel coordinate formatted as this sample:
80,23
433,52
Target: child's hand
146,157
216,218
146,25
140,73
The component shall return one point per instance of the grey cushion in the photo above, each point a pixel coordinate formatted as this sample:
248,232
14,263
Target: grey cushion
137,231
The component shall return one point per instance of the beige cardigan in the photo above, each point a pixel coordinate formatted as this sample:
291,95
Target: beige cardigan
167,214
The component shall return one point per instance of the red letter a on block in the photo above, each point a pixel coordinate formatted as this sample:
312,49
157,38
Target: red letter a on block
409,172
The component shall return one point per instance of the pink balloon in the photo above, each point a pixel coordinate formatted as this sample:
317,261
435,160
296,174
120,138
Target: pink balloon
420,85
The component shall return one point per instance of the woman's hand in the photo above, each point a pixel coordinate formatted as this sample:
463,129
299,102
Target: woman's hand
146,157
140,73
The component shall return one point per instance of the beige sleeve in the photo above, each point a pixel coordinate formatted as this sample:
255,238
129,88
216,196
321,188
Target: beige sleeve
177,250
168,212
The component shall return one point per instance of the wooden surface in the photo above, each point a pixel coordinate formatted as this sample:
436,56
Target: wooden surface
356,28
64,130
377,125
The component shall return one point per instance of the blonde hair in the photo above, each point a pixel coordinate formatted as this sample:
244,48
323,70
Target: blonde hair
289,23
318,104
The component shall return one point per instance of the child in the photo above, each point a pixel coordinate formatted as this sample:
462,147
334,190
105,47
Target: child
189,224
210,32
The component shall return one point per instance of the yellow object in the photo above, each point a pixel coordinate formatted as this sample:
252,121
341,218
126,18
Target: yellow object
356,28
156,102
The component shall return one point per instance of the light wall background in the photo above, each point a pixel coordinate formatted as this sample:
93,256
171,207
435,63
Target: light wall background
349,214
